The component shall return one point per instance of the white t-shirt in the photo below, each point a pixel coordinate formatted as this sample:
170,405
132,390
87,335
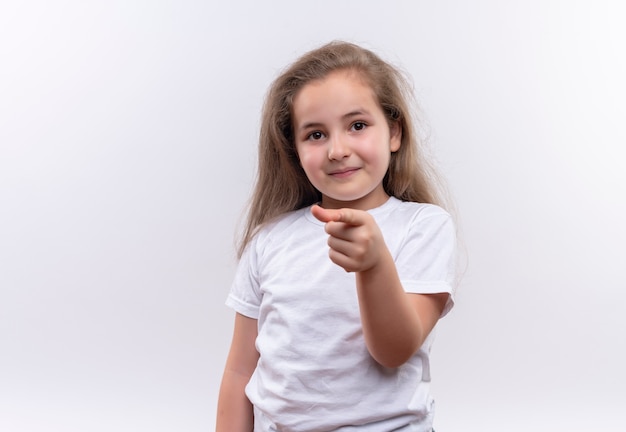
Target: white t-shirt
315,372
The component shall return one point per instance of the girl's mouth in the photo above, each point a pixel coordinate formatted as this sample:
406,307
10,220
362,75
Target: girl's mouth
344,172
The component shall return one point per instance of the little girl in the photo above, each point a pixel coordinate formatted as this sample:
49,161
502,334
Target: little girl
346,263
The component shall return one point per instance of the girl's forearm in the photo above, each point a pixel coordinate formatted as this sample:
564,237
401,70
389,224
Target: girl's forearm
391,325
234,410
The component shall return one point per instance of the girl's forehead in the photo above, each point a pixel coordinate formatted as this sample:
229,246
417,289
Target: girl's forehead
341,87
337,98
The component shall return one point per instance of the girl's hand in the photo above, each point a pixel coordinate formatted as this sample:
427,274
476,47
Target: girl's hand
356,243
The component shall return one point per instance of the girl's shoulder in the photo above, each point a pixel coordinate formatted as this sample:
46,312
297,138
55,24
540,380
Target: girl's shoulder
396,209
282,224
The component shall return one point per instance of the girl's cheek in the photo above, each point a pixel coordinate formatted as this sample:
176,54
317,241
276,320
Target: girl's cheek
305,156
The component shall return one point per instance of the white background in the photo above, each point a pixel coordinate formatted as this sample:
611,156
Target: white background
127,152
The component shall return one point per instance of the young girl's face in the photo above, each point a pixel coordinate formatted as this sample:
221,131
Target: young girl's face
344,141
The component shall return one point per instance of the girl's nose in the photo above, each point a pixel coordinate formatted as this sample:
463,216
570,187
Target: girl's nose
338,149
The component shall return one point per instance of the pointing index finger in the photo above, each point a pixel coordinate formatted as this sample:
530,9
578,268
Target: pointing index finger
345,215
349,216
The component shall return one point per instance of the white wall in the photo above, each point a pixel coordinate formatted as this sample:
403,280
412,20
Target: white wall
127,150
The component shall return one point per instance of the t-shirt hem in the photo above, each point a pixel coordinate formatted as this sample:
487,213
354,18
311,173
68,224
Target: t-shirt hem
242,308
420,287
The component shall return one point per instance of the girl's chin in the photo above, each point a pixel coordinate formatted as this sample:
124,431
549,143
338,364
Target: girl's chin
359,202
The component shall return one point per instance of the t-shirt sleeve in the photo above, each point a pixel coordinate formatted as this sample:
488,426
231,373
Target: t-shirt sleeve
245,294
427,259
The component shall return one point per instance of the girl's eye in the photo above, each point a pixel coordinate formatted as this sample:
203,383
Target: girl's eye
358,126
317,135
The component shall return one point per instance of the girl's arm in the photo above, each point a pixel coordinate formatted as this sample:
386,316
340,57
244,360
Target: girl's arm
234,410
395,324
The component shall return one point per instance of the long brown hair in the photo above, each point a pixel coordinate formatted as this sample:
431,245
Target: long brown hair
281,184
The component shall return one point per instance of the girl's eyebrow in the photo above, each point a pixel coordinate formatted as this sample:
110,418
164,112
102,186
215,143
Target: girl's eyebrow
310,125
357,112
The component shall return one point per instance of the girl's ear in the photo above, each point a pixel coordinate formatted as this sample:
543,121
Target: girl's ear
395,137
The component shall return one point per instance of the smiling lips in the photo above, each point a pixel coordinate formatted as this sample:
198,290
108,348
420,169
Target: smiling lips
343,172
